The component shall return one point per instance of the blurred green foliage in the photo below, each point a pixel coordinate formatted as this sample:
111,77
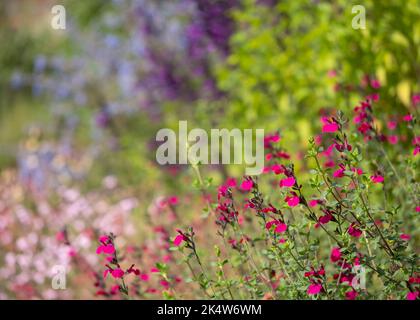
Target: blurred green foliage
276,75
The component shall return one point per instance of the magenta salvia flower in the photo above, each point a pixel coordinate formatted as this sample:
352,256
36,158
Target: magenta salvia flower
287,182
335,254
164,284
117,273
329,126
358,171
173,200
292,201
339,173
277,168
280,228
314,289
393,139
375,84
144,277
405,237
412,295
354,231
231,182
324,219
270,139
392,125
351,295
377,178
407,118
269,224
247,185
178,240
107,249
313,202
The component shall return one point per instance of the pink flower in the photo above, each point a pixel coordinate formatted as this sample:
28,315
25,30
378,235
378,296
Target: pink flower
313,203
151,290
327,152
178,240
374,97
415,99
358,171
332,73
375,84
414,280
357,119
117,273
277,169
330,127
106,271
314,288
173,200
154,270
329,164
133,270
269,224
103,239
335,254
275,138
392,125
339,173
231,182
72,252
281,227
222,191
287,182
418,209
405,237
407,118
271,138
144,277
377,178
324,219
412,295
293,201
115,289
351,295
393,139
247,185
164,283
353,231
60,236
108,249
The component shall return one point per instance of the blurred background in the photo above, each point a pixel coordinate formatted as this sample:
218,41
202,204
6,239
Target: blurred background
80,108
